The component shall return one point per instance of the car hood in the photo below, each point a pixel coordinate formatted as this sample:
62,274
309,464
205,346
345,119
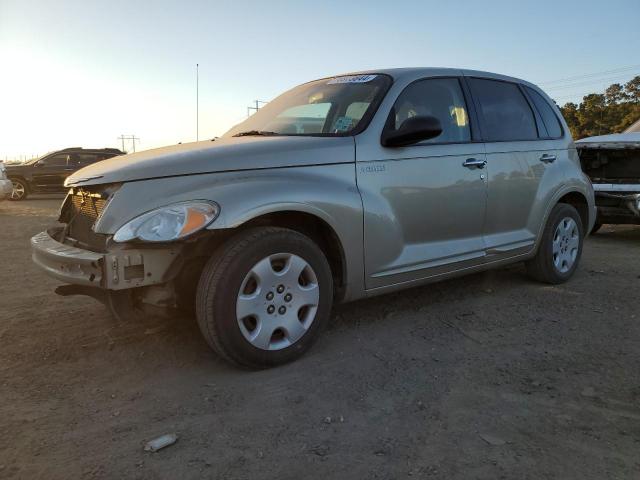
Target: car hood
611,141
219,155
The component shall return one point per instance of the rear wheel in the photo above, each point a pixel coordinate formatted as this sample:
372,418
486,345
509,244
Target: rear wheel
560,246
20,189
264,297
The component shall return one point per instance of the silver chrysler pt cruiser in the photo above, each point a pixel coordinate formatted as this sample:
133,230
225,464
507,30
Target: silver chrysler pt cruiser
341,188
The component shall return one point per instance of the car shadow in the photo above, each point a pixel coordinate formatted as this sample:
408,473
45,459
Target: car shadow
630,233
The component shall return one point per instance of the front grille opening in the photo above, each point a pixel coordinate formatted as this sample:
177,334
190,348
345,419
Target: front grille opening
80,210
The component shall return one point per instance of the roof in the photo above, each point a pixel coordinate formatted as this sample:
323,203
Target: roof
398,73
614,140
634,128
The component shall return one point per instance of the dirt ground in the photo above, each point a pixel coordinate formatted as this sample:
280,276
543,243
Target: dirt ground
489,376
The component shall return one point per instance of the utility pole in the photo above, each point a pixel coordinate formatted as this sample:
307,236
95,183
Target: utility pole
132,138
197,104
256,108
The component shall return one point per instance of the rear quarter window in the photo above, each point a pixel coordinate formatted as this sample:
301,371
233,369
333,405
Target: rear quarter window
549,118
85,158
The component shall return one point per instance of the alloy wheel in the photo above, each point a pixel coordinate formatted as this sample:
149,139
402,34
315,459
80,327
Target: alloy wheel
18,191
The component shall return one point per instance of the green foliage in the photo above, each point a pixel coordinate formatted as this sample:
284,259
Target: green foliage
603,113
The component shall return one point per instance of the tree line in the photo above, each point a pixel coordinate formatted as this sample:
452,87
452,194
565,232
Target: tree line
602,113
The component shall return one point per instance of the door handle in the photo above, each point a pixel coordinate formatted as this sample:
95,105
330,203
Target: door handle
474,162
548,158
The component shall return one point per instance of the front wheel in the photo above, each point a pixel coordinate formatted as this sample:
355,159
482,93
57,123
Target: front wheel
20,190
560,246
264,297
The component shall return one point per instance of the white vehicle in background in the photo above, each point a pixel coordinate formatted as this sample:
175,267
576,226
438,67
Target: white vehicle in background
612,162
6,187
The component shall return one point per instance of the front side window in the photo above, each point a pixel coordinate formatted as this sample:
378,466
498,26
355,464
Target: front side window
336,106
55,161
549,118
505,112
437,97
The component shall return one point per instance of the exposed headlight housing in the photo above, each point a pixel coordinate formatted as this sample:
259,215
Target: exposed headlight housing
166,224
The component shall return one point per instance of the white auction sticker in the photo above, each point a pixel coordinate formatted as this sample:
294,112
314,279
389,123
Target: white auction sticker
352,79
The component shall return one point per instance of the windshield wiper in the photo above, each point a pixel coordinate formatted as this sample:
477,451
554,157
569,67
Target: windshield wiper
256,133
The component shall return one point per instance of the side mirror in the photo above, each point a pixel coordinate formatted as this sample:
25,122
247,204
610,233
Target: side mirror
412,130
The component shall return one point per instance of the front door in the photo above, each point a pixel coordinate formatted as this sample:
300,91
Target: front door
50,172
424,205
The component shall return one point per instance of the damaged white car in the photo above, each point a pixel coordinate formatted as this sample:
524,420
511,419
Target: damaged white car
612,162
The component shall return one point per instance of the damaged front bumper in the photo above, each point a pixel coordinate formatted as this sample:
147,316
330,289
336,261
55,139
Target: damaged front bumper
617,204
119,269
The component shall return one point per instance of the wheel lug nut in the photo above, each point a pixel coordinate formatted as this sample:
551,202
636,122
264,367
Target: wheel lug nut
280,288
287,297
271,309
270,296
282,310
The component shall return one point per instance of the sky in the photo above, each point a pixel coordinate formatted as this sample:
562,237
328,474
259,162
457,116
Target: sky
83,72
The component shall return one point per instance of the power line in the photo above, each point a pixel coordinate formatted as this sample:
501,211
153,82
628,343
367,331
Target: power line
589,75
590,82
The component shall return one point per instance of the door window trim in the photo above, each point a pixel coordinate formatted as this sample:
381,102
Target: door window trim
474,132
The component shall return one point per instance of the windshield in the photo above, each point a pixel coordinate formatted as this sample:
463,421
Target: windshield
336,106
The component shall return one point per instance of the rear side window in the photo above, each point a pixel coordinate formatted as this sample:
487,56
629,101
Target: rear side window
549,118
506,113
86,158
438,97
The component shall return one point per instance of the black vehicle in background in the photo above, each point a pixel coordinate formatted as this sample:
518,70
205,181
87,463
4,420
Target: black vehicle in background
48,173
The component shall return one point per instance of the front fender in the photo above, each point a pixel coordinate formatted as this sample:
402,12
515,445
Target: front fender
328,192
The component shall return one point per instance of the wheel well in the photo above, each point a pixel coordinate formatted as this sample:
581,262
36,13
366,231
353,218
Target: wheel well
579,202
316,229
18,177
205,243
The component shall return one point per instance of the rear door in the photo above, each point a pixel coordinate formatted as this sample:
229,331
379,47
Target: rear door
86,159
521,166
424,209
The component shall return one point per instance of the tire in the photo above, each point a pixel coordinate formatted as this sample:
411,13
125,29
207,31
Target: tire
241,311
20,190
560,246
595,228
